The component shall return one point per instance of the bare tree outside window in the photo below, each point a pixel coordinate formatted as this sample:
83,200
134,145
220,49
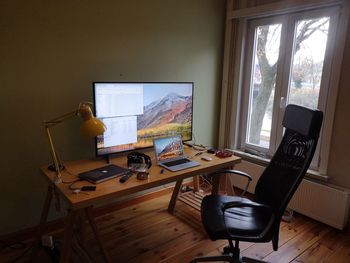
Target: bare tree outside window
306,71
263,82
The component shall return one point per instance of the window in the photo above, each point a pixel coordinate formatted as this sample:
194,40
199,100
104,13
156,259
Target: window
287,61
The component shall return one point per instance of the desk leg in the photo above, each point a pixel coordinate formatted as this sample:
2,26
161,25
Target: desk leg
45,212
90,217
196,183
81,252
228,186
68,236
216,184
43,219
221,181
174,196
81,219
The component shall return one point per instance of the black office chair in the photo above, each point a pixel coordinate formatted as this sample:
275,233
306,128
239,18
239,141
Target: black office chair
239,219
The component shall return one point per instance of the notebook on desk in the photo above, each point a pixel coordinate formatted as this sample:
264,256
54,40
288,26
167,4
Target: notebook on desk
169,153
104,173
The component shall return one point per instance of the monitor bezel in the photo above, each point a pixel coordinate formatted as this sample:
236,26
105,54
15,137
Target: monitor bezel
137,82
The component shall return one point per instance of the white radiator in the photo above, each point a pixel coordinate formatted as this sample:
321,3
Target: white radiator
326,204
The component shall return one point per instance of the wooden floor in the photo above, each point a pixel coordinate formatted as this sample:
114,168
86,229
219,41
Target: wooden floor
146,232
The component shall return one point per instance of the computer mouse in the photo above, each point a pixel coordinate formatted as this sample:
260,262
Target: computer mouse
206,158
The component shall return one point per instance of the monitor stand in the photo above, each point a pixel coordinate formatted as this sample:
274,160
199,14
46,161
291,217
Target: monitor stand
108,160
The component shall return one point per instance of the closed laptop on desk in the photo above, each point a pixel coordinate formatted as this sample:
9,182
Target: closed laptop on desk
103,173
169,153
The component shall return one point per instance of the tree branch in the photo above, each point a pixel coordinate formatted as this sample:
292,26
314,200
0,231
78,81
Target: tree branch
306,31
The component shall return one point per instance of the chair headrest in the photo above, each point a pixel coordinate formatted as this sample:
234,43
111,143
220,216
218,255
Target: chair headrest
303,120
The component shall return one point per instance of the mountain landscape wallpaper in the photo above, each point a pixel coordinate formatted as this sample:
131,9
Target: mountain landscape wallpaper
167,116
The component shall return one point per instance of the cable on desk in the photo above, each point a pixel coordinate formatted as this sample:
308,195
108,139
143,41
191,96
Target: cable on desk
72,183
78,190
198,147
196,154
70,173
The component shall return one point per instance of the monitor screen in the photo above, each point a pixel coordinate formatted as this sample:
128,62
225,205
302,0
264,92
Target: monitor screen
136,113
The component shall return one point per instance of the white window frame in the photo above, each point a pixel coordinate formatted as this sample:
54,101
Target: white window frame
231,117
288,27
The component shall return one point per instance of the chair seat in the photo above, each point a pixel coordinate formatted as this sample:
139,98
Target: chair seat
235,222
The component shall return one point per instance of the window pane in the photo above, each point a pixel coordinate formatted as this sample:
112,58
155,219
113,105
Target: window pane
262,84
309,50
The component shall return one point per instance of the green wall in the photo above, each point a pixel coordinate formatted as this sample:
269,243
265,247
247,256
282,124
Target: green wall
51,51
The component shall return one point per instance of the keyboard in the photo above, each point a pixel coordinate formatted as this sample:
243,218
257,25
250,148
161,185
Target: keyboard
177,162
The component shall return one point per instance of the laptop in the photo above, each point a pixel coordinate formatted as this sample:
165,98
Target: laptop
104,173
169,153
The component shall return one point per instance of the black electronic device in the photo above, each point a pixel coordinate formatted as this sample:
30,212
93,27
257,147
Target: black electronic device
125,177
88,188
103,173
137,160
212,150
135,113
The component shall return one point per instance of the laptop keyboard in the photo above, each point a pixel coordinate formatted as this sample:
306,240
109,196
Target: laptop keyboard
177,162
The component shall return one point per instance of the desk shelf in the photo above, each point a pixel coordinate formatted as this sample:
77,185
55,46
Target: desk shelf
192,199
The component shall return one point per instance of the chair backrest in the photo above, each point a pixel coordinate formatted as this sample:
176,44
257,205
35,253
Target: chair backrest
289,164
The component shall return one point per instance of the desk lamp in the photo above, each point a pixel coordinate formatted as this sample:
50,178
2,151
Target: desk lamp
90,127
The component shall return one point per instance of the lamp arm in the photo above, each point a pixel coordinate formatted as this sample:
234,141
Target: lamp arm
48,125
53,155
60,119
66,116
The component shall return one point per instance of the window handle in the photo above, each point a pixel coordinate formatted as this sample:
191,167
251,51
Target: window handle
283,102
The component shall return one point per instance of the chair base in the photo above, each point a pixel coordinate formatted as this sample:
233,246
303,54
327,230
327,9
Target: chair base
228,258
252,260
230,254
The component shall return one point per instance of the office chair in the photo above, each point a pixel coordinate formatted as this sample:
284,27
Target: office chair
240,219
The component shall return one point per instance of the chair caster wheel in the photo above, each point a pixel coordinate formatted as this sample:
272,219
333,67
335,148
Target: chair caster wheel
226,251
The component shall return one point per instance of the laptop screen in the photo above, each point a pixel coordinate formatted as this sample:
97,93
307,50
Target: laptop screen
168,148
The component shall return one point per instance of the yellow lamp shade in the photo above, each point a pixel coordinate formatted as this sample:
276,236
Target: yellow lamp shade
92,127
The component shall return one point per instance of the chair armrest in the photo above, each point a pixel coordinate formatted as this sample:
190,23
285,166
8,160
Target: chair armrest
246,204
240,173
234,172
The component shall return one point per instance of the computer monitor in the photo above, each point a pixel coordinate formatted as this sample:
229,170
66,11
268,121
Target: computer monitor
137,112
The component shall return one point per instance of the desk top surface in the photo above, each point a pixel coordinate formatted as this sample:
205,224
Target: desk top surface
114,189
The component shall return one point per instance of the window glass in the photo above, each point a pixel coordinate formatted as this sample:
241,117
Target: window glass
309,50
263,82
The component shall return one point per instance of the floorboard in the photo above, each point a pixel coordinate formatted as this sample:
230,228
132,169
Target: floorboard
146,233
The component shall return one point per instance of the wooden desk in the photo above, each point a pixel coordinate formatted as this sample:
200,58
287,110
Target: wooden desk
82,204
